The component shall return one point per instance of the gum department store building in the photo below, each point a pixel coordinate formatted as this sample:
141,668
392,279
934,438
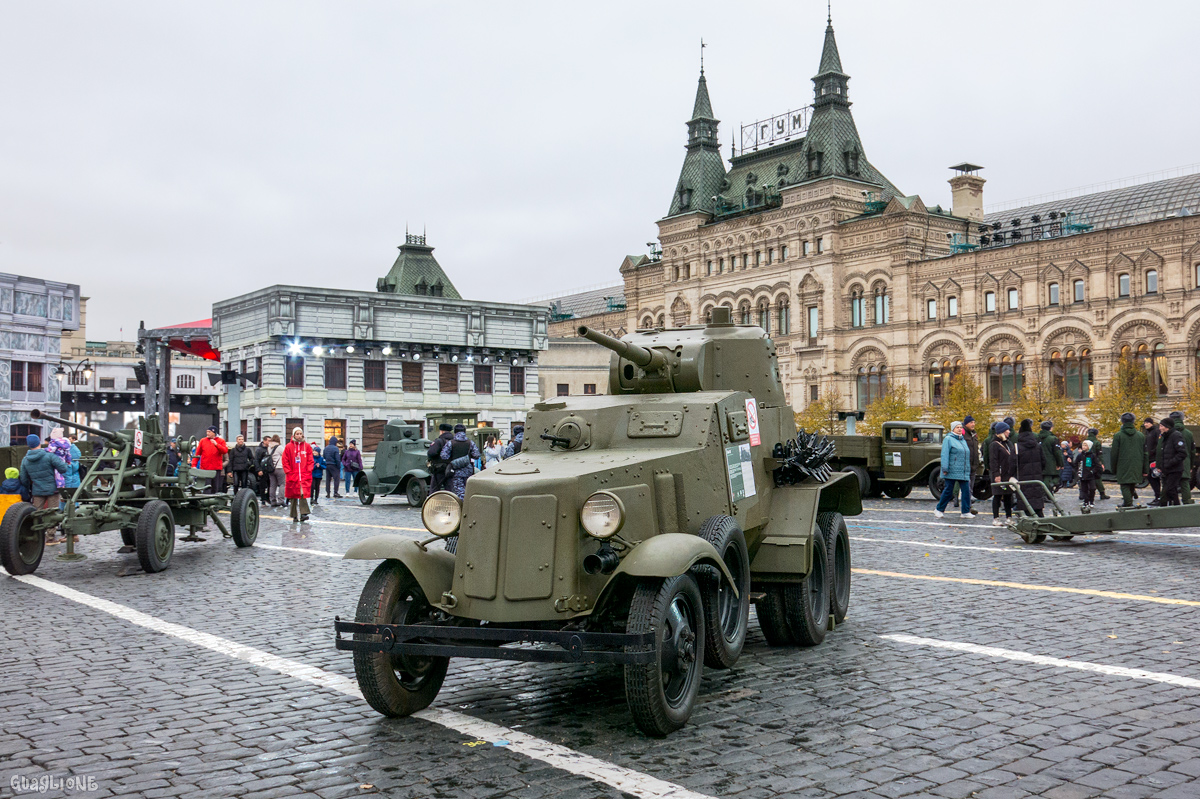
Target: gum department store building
862,286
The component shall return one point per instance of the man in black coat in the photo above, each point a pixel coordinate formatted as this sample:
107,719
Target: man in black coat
1001,467
241,462
1098,451
437,466
1150,430
333,465
1172,461
1185,483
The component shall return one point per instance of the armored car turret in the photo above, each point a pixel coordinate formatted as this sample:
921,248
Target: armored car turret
633,528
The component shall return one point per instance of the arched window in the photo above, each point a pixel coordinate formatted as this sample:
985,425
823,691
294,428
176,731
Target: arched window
1071,373
783,317
1158,370
1151,281
857,307
764,315
662,321
1006,376
744,310
647,322
1054,294
883,305
708,315
941,373
872,384
1123,285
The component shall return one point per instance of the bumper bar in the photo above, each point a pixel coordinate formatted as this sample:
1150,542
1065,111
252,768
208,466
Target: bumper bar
573,646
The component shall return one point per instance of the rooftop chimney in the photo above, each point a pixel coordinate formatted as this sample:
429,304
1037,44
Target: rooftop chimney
967,190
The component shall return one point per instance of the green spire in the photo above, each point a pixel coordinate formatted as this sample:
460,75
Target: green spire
703,107
830,60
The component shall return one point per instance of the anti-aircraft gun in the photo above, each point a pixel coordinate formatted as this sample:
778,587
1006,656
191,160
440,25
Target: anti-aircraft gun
633,528
130,486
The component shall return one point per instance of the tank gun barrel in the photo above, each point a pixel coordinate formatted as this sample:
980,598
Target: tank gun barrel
648,359
37,413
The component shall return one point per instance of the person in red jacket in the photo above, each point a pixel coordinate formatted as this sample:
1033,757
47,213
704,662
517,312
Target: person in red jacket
210,454
297,462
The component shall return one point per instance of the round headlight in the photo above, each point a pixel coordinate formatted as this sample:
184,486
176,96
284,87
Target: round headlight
442,513
602,515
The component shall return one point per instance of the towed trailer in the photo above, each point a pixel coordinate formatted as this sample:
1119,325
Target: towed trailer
1063,526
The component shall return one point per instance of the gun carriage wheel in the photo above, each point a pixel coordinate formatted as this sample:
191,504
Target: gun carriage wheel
726,617
21,546
243,518
395,685
155,536
661,694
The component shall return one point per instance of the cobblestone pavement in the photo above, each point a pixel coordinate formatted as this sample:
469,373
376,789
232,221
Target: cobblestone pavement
145,713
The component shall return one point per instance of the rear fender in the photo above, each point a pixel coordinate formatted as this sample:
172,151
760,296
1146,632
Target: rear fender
839,494
670,555
433,569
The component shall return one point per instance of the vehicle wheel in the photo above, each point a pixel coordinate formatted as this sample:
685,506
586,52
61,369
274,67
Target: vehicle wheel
898,490
726,617
21,547
243,521
155,536
837,538
364,493
935,482
661,694
129,536
417,489
1062,537
864,479
807,602
1036,538
772,617
393,684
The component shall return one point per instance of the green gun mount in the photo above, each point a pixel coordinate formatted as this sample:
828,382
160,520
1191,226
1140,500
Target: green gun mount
128,487
1062,526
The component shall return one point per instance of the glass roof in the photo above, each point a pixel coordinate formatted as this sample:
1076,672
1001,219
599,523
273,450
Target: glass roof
1131,205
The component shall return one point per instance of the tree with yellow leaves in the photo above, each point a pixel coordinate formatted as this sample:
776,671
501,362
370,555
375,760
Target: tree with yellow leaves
1128,390
892,406
1190,402
1039,399
964,397
821,415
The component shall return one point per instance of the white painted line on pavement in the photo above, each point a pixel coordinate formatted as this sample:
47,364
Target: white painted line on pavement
1018,548
1044,660
560,757
852,520
298,549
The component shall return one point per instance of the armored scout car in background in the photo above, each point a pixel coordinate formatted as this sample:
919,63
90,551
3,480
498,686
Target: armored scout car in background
401,466
634,528
907,454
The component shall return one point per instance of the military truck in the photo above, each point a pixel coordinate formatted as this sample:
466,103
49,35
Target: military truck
401,466
906,454
634,528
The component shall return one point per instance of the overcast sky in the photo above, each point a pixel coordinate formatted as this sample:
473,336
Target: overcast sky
167,155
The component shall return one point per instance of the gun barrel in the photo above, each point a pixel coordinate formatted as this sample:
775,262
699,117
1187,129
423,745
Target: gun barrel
38,413
645,358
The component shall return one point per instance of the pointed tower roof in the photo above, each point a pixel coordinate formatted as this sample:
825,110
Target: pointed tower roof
830,60
702,109
703,170
417,272
832,146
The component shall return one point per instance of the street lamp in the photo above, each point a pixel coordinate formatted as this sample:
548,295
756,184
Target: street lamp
84,368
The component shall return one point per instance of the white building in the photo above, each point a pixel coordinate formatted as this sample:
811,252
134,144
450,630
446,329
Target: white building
343,363
33,315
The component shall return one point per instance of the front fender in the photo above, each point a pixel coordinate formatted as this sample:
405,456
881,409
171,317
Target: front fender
433,569
670,555
411,473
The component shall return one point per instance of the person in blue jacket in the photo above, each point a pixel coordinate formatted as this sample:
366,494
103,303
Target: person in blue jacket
37,476
956,470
